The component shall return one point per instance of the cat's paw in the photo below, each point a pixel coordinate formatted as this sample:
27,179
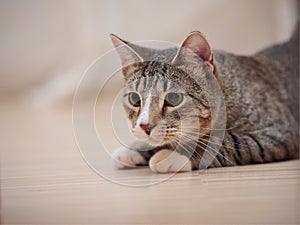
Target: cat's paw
166,161
124,157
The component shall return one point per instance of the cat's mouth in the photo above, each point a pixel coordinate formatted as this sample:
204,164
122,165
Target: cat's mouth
154,139
158,136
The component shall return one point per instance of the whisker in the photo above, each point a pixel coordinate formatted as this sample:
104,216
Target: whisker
232,142
230,128
195,153
220,154
188,138
207,128
222,145
198,155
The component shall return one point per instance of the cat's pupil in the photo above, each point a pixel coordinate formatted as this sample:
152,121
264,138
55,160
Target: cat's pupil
134,99
173,99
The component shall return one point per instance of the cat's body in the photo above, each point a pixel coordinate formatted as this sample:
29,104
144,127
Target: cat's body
260,92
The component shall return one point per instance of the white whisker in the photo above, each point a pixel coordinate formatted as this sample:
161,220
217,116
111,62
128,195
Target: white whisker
187,137
198,156
232,142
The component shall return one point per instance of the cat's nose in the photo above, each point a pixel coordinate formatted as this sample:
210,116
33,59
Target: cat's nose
146,128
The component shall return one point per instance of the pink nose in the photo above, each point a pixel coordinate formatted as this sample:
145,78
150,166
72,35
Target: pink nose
146,128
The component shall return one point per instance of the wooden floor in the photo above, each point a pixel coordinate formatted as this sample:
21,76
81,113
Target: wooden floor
44,180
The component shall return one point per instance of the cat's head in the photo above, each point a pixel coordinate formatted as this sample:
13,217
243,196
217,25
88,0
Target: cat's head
165,95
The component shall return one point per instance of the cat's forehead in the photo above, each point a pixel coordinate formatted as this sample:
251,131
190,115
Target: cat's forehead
155,84
156,78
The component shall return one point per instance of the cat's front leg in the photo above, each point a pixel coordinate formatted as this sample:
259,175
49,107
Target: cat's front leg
125,157
166,161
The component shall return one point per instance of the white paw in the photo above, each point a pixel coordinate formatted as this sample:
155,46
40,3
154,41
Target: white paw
166,161
124,157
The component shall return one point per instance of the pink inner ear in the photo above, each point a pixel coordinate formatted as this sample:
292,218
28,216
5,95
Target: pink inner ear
198,44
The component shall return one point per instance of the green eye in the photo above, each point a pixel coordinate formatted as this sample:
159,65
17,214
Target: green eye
173,99
134,99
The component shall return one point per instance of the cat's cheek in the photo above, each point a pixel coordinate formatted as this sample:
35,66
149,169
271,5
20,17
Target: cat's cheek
167,161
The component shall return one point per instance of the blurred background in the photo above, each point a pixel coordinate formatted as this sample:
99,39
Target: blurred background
45,46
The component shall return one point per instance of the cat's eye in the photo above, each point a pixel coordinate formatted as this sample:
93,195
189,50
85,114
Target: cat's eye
173,99
134,99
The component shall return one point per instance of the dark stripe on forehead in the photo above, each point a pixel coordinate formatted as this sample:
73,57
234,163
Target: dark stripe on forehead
170,74
150,82
165,83
137,83
145,82
164,69
155,81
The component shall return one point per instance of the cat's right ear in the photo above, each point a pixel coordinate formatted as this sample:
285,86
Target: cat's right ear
193,47
128,56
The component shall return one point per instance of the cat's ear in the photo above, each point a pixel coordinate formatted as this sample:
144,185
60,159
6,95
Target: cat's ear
194,45
127,54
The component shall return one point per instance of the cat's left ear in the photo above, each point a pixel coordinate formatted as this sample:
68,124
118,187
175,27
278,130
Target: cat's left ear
194,45
127,54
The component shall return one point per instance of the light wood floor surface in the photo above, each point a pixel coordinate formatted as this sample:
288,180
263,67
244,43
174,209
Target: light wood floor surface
44,180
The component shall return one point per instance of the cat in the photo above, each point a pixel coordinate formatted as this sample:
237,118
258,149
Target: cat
166,98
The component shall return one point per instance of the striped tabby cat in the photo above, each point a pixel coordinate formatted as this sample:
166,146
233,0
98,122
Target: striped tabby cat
169,110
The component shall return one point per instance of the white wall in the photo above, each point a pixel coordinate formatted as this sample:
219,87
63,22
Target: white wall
40,40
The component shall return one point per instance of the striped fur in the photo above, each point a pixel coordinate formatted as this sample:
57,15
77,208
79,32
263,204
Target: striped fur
262,120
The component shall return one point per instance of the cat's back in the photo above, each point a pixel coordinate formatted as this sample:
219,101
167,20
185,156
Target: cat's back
285,58
273,71
246,86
